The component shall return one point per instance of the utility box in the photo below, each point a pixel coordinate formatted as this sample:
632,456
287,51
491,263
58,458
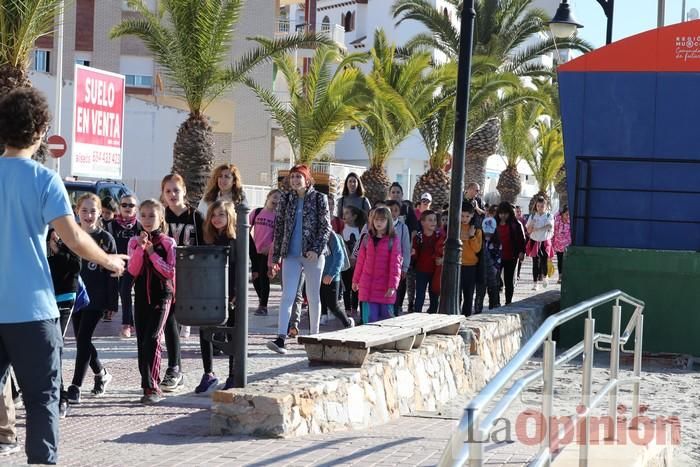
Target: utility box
202,285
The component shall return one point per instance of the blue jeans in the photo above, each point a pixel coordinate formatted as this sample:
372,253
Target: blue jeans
423,281
38,374
292,267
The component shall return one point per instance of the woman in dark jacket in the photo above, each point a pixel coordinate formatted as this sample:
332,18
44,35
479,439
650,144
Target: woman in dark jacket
511,235
302,229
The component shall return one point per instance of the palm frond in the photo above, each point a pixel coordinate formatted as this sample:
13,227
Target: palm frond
21,24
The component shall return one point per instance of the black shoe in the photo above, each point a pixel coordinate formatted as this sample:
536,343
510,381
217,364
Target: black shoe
172,381
62,408
73,394
101,382
277,345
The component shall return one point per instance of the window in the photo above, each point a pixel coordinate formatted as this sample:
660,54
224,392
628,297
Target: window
326,24
347,21
83,62
42,61
139,81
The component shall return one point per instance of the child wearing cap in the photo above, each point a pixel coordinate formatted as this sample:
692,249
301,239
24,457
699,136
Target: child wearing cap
492,259
425,203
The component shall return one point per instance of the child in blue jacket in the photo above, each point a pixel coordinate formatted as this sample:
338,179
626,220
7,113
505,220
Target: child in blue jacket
330,280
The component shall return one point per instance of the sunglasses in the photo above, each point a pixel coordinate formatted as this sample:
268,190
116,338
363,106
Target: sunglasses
128,205
425,201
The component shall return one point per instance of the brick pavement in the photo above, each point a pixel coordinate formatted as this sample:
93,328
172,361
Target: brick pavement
116,430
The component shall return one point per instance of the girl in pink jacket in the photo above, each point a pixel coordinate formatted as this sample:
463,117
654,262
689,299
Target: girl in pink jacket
378,268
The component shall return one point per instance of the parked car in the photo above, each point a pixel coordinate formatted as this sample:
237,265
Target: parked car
102,188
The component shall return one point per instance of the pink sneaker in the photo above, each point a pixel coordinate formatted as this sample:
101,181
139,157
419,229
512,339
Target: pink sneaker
126,331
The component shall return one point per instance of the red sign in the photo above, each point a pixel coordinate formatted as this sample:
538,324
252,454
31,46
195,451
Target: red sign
57,146
98,123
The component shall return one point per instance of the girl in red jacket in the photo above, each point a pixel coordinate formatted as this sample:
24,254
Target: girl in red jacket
378,268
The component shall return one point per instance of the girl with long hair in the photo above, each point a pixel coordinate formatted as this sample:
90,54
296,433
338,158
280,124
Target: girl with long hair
152,265
378,269
219,229
353,195
225,184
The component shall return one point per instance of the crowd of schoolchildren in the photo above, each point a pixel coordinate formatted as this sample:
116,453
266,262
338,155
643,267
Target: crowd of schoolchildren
359,262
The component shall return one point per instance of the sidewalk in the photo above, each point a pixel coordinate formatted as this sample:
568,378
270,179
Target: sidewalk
116,430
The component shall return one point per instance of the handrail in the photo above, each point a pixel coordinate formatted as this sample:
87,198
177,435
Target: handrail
466,444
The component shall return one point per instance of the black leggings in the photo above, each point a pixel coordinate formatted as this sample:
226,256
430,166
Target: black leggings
84,324
262,282
400,296
468,284
207,349
172,341
509,266
329,299
65,309
350,297
126,282
560,263
539,264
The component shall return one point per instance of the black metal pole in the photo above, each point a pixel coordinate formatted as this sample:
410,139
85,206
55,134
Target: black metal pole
449,293
609,8
240,375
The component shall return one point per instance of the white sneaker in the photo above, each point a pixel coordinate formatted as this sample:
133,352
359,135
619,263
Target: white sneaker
536,286
185,332
352,322
324,320
545,282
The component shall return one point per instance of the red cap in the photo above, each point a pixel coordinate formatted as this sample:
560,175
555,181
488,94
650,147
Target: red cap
304,170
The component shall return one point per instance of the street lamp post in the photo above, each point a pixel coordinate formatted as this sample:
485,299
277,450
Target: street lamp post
564,25
449,293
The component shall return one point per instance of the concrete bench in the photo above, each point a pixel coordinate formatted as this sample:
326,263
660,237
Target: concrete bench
352,345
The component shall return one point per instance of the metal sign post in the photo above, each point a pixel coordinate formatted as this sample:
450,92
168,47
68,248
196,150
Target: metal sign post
240,372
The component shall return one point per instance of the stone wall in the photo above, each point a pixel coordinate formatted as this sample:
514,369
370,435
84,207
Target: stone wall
390,383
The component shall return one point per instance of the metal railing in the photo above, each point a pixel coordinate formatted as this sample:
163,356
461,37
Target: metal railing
466,445
336,32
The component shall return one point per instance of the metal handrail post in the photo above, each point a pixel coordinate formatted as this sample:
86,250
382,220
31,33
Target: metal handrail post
638,336
476,444
588,333
549,352
614,366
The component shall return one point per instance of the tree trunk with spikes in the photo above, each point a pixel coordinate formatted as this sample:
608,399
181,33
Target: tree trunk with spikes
561,187
193,155
481,144
376,183
509,184
437,183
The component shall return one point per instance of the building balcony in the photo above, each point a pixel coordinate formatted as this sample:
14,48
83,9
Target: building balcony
335,32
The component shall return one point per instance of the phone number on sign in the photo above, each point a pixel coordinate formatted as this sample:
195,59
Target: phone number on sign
98,157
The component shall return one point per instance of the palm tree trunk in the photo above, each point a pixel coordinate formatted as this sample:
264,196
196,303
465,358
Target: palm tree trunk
560,188
437,183
376,183
481,144
509,184
193,155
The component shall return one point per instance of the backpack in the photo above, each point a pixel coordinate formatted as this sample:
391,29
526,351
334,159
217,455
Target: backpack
346,256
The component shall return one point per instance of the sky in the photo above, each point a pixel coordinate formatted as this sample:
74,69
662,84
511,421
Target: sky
630,17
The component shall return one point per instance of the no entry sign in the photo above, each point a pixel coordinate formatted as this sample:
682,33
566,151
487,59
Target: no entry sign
98,123
57,146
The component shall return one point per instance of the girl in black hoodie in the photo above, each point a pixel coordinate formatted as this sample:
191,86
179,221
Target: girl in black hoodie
219,229
103,291
65,270
185,227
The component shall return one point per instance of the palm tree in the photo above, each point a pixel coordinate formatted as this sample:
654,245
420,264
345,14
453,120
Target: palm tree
191,41
516,141
502,29
547,159
323,102
21,24
437,133
403,97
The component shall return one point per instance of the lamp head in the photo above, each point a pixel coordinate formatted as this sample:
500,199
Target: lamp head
563,24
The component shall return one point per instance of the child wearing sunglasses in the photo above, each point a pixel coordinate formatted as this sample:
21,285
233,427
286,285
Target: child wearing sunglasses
123,227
